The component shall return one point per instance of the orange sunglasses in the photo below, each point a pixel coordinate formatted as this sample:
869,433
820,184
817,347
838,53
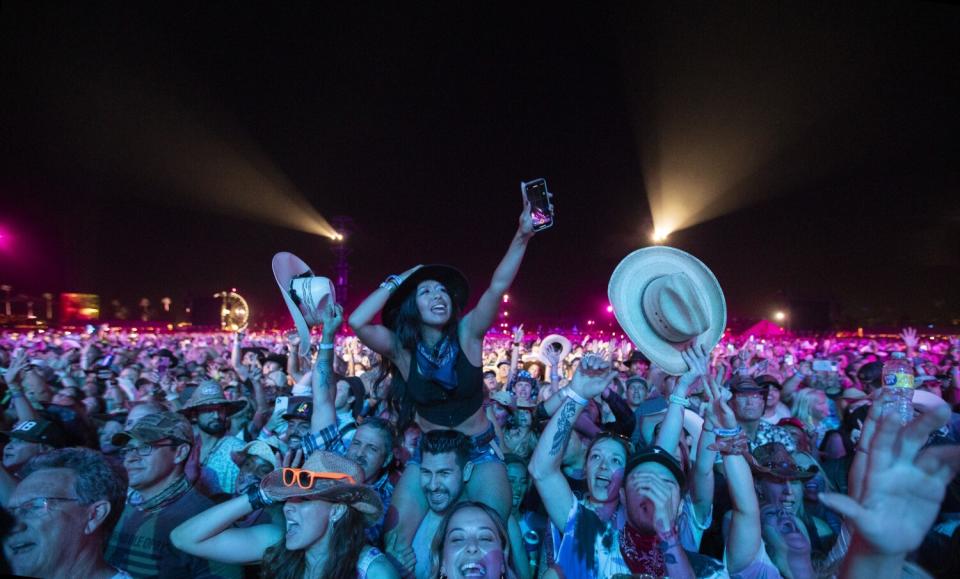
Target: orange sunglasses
305,478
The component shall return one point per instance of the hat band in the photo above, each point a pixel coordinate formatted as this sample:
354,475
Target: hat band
304,297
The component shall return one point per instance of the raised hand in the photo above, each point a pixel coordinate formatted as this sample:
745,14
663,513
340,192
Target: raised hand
17,365
665,507
409,272
518,334
332,319
592,376
525,229
909,337
696,358
902,484
718,410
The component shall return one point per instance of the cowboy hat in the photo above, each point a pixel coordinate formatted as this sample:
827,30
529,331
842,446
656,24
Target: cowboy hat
264,449
666,300
305,294
549,342
503,398
354,494
209,394
451,278
773,460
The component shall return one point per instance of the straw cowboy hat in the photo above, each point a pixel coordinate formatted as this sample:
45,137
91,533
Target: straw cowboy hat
549,342
305,294
264,449
354,494
772,460
666,300
209,395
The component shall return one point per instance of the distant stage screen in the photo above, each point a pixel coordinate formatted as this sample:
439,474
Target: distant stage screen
79,308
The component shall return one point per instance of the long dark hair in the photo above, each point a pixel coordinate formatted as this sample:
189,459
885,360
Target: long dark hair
346,542
406,327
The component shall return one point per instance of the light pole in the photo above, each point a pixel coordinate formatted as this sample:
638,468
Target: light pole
345,228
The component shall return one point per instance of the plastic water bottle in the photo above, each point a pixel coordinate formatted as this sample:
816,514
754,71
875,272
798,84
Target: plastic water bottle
898,387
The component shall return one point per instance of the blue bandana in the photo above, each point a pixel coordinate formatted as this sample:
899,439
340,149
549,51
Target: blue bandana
438,364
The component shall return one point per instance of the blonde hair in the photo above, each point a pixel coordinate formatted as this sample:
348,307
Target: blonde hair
803,404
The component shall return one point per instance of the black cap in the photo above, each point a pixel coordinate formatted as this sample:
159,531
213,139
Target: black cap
659,456
39,430
299,407
870,373
766,380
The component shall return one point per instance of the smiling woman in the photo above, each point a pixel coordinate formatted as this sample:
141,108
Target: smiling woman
471,541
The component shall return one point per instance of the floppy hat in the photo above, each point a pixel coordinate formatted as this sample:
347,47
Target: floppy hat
666,300
305,294
210,395
451,278
355,494
549,342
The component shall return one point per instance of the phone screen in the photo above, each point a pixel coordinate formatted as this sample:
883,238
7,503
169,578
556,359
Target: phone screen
541,210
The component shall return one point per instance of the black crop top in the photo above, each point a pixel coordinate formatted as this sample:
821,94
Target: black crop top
441,406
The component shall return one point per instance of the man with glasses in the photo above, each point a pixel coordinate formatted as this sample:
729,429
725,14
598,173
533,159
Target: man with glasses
65,508
749,402
154,453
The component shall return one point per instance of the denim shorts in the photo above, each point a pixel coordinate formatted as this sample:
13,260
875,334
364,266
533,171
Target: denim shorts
484,448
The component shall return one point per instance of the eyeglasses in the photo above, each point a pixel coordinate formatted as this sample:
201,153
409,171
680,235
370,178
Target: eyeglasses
305,478
36,506
142,451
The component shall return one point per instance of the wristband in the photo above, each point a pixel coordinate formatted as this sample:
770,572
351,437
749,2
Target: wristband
323,346
681,400
580,400
257,498
392,280
727,432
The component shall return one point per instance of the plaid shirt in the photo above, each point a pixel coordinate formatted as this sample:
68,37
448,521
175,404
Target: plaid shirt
141,545
329,439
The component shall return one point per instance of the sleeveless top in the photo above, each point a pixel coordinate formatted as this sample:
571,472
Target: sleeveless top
435,403
367,557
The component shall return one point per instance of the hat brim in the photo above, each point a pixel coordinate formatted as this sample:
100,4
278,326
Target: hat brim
360,497
662,458
549,341
451,278
287,266
783,474
625,292
233,407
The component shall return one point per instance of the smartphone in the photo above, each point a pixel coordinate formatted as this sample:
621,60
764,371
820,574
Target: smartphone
281,404
541,206
824,366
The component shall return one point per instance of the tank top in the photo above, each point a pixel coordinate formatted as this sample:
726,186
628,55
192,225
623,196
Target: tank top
435,403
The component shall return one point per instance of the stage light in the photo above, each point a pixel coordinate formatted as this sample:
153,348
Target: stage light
659,235
506,298
779,316
609,309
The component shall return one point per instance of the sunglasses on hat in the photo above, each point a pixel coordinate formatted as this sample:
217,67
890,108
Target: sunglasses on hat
305,478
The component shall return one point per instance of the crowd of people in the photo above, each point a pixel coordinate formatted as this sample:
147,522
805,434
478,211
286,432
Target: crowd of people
420,446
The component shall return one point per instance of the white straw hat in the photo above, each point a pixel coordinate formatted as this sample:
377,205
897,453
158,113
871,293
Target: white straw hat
305,294
549,341
666,299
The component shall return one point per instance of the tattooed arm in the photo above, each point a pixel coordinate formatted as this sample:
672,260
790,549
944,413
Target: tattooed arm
324,386
591,378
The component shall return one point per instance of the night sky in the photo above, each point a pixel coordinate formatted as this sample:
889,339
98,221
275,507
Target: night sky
824,135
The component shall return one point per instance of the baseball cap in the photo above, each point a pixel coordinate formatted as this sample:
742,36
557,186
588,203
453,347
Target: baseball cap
659,456
766,380
299,407
157,426
39,430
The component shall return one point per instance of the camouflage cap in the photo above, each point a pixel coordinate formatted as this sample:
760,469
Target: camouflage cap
157,426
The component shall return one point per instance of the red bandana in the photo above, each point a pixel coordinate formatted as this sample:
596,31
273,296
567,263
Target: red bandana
641,553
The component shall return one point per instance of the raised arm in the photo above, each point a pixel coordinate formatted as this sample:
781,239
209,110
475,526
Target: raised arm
210,535
12,377
324,384
591,378
377,337
743,540
671,429
479,320
235,360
